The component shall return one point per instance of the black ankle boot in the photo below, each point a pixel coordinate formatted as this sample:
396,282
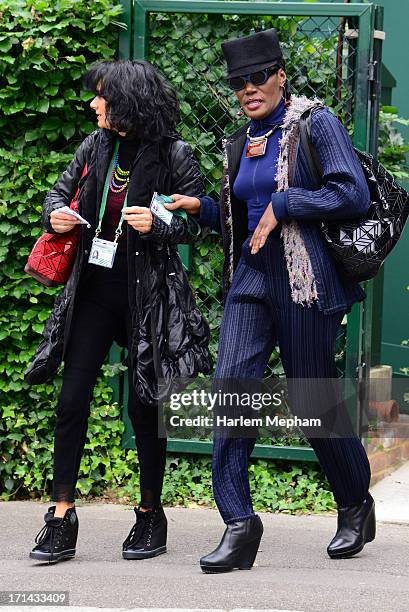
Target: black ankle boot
147,537
356,527
57,539
237,549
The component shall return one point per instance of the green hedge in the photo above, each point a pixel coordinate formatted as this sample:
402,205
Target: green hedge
45,48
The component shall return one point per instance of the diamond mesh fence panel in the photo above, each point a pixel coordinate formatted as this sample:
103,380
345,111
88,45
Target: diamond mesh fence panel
320,62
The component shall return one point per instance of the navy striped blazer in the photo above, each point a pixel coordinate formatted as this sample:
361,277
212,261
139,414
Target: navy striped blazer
344,194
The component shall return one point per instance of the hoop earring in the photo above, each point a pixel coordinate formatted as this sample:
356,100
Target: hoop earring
283,92
283,96
240,112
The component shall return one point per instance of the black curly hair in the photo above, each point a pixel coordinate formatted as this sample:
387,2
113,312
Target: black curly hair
138,99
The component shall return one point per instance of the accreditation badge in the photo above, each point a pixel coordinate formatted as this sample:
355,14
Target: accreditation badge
103,252
158,208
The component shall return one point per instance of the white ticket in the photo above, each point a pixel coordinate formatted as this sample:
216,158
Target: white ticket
69,211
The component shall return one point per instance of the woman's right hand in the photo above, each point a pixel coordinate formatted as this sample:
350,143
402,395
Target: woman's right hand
191,205
61,222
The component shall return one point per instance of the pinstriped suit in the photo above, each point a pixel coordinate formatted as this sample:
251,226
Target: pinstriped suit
259,311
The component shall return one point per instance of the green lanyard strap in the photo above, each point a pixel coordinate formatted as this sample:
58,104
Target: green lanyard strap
178,212
118,230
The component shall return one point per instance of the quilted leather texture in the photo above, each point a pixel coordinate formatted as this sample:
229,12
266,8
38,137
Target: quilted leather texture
360,246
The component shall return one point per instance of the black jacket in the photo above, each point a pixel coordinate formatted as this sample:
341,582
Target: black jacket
182,334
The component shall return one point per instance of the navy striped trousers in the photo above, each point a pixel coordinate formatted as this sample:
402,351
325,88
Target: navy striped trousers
259,313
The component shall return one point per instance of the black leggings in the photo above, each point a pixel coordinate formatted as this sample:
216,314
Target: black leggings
101,314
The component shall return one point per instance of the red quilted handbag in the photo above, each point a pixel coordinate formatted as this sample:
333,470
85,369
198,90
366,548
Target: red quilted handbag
53,255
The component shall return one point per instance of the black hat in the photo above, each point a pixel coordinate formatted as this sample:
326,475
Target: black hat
252,53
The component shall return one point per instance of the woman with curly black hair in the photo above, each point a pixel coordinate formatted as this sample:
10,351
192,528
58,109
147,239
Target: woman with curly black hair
119,290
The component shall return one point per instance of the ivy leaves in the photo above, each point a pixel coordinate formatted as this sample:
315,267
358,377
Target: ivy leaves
44,51
392,147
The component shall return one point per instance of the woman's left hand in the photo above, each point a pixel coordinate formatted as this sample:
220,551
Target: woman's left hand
139,217
266,225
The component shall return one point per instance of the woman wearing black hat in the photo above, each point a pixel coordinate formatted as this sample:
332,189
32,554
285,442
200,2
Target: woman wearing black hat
285,288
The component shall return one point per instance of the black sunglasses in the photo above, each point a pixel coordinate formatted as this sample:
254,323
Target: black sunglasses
256,78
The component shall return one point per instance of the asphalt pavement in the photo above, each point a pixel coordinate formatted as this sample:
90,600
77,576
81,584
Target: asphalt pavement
292,570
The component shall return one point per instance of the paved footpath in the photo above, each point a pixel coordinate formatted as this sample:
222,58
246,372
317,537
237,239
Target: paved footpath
292,570
392,496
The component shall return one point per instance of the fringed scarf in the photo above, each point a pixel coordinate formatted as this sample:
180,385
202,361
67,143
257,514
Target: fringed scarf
301,275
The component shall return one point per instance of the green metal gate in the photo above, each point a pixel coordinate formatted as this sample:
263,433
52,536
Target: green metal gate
332,51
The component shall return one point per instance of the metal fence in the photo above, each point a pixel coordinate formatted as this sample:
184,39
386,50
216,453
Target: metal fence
333,52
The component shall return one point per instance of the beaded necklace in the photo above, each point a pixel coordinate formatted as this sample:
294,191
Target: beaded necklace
120,176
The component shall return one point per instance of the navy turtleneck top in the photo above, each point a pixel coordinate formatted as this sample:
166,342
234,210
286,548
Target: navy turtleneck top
255,180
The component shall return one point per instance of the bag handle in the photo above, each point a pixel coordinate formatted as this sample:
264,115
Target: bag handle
77,193
313,160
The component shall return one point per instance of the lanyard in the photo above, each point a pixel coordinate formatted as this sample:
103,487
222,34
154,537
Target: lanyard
118,230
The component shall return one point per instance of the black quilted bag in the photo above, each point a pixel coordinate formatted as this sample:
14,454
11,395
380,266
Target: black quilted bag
360,246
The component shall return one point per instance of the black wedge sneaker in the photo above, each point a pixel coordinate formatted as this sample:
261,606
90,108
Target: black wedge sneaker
356,527
147,537
237,549
57,540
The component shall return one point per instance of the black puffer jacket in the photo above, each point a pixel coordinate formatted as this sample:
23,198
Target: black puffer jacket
182,333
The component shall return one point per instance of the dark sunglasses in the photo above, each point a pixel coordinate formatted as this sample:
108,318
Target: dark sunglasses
256,78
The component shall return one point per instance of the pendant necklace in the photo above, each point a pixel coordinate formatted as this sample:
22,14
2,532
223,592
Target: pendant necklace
257,145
